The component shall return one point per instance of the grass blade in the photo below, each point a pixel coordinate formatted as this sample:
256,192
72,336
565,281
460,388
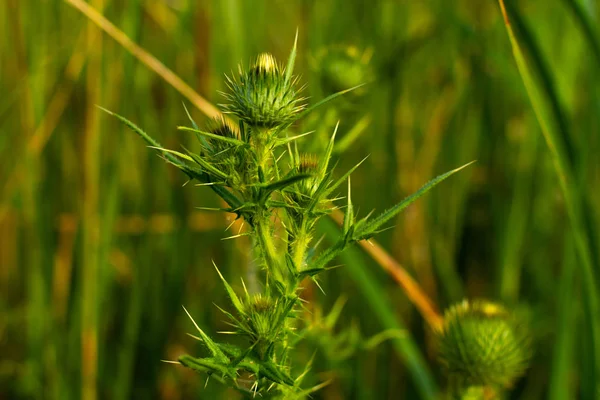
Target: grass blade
540,96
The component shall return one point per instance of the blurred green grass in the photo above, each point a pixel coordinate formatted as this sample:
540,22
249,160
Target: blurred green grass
100,245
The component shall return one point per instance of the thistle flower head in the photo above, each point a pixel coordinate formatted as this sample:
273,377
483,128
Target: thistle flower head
482,344
262,96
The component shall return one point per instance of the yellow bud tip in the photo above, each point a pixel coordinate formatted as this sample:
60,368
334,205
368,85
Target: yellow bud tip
266,62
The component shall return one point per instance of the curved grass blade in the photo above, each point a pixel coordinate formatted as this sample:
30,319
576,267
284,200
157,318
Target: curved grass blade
539,95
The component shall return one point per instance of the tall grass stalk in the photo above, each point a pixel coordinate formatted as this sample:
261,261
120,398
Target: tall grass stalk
544,103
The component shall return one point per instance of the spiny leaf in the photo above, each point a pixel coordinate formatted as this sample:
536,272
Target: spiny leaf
207,166
234,299
349,216
178,154
283,183
210,344
289,68
343,178
371,227
344,143
326,256
285,141
226,139
190,117
207,365
289,306
324,161
231,199
133,127
310,272
195,125
273,372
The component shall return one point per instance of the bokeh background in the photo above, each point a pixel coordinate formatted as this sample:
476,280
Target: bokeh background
100,244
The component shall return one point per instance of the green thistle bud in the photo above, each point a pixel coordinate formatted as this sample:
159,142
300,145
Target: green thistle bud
262,96
308,164
482,344
343,67
223,155
223,127
259,311
304,190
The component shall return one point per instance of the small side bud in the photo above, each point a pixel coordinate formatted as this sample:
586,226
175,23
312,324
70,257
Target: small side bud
223,127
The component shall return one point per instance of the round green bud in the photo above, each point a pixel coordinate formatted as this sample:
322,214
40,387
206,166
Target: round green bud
262,96
482,344
343,67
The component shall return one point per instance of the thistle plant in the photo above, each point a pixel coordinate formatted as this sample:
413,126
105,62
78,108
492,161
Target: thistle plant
255,166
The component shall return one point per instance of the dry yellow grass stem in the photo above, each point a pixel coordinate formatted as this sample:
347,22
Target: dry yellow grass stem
146,58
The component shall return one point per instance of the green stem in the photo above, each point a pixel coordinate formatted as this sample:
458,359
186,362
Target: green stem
266,244
300,245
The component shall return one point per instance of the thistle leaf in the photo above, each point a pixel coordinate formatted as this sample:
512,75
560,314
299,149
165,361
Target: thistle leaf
289,68
215,351
370,228
207,365
324,161
226,139
343,178
285,141
207,166
283,183
176,153
190,117
349,216
234,299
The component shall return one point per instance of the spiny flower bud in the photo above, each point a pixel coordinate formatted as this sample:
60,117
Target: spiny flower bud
223,127
482,344
262,96
308,164
222,154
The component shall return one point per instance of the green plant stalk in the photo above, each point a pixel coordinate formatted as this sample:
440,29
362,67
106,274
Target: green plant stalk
573,199
300,245
264,233
562,357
